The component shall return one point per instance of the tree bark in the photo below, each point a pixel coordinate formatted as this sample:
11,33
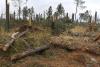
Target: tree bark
6,47
7,16
29,52
89,48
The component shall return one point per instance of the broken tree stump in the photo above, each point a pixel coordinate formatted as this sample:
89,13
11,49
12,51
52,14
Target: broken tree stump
29,52
5,47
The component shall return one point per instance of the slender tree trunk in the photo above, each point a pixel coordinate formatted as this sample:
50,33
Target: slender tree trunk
14,15
7,16
44,14
72,17
95,17
76,12
19,12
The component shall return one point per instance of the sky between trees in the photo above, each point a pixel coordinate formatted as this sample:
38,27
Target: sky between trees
42,5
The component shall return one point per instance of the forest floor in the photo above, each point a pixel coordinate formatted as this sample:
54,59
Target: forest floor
53,57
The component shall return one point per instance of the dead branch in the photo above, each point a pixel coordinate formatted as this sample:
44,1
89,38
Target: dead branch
27,44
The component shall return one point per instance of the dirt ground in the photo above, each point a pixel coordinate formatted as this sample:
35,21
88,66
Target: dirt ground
55,57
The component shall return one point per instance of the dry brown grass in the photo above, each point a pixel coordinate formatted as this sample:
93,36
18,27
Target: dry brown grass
78,29
59,57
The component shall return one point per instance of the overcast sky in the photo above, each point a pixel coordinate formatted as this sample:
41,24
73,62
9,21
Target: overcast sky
41,5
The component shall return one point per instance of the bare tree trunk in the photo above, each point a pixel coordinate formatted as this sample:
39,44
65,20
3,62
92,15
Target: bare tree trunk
19,10
95,17
5,48
72,17
14,15
7,15
76,12
29,52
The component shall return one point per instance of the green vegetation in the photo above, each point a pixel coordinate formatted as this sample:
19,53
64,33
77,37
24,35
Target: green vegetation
49,24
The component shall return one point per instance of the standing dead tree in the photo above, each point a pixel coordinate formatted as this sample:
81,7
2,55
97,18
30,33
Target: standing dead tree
92,24
7,15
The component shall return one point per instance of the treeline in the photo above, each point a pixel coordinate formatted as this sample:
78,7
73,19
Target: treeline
58,21
29,13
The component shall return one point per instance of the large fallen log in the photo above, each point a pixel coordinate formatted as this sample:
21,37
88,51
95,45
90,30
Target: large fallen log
29,52
6,47
93,49
69,46
65,43
76,45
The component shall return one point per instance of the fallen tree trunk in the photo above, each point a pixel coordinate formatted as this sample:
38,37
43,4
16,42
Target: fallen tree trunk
70,47
27,44
90,48
76,45
29,52
5,47
93,49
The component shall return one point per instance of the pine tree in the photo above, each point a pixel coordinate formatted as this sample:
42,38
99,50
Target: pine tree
49,13
60,10
25,13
